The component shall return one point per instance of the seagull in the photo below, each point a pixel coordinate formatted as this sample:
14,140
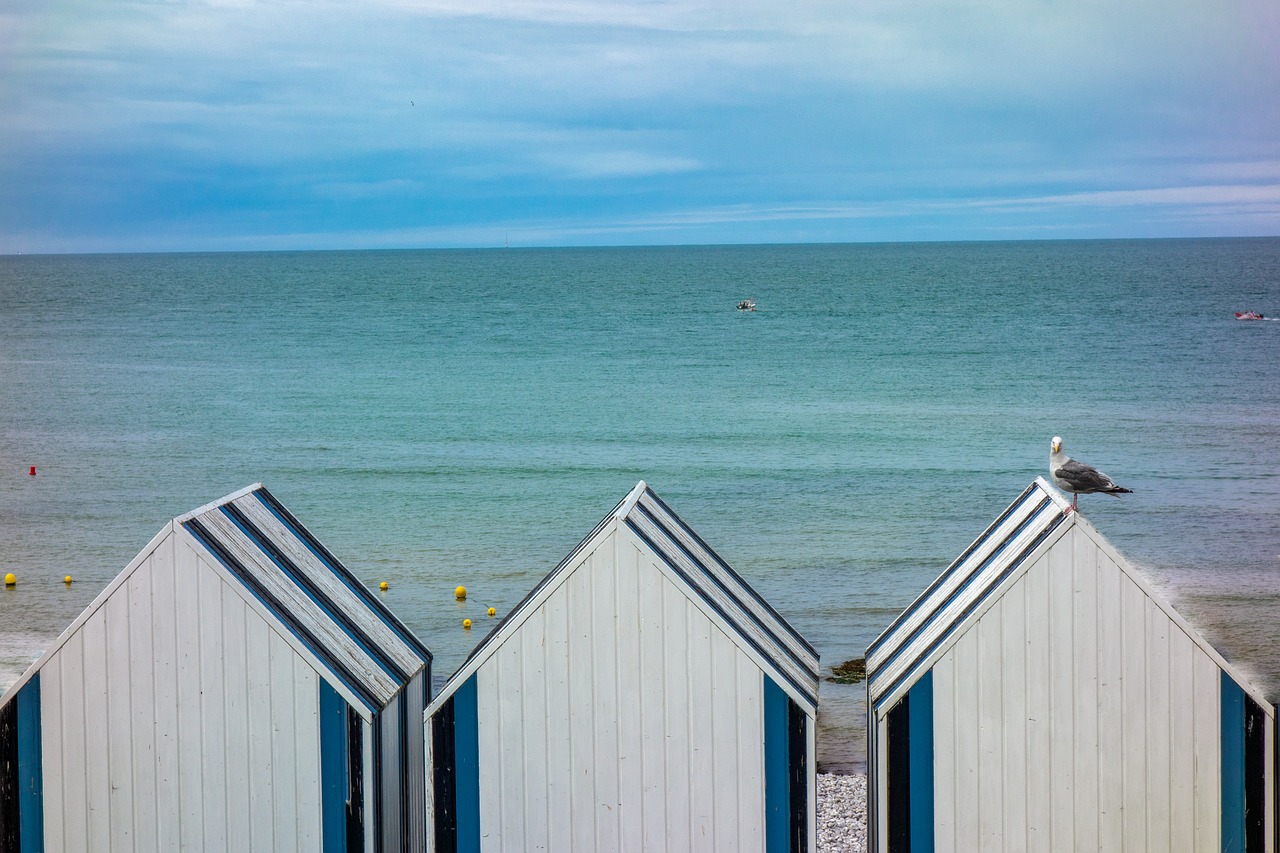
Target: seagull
1077,477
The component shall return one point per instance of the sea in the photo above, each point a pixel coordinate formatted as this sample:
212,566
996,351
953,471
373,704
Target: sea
466,417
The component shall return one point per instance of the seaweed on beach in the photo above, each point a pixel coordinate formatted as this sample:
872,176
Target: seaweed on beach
849,672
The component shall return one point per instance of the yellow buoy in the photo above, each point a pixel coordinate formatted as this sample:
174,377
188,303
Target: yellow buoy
67,579
460,593
466,624
10,579
382,585
492,612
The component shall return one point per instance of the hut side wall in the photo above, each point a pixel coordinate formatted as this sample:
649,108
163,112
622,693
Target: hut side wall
620,717
177,717
1076,715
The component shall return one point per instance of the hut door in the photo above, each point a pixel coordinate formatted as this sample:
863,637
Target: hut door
341,774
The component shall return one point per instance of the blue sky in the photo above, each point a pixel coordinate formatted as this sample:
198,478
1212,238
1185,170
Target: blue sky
238,124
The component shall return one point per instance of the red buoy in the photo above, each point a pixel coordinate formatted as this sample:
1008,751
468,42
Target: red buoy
33,470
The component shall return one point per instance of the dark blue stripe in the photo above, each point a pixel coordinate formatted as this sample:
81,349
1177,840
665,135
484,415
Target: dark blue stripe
30,771
353,583
777,790
329,608
958,620
948,571
724,588
1232,766
286,617
692,534
974,574
466,744
920,723
334,783
702,594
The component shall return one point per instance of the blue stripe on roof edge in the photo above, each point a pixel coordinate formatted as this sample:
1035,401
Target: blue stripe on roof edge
693,534
956,593
949,570
336,669
336,614
280,511
811,698
963,615
721,586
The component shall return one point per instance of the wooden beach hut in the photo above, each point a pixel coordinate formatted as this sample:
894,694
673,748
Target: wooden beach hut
234,688
1040,695
642,697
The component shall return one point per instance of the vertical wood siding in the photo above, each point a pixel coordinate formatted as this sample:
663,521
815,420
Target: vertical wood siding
1076,715
177,718
619,717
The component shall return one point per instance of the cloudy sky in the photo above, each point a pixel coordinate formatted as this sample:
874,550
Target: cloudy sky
270,124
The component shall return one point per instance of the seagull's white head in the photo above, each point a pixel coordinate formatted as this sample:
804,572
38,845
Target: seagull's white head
1056,445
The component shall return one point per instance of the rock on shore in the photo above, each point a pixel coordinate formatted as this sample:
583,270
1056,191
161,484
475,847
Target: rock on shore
842,814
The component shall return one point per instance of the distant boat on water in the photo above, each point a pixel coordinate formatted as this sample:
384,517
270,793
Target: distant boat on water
747,305
1250,315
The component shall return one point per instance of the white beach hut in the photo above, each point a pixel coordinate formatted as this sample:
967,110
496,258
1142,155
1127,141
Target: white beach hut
642,697
1039,695
234,688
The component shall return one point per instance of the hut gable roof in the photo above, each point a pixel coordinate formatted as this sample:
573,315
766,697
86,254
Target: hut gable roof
284,572
1029,528
286,568
707,580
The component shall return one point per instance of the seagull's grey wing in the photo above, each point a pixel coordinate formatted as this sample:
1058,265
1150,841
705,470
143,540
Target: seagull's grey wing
1083,478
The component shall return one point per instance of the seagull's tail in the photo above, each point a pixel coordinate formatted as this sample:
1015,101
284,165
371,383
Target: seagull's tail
1117,491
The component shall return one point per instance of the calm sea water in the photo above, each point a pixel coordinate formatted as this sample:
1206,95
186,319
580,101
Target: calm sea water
466,417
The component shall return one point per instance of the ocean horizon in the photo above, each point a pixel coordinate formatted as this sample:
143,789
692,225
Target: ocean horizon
446,417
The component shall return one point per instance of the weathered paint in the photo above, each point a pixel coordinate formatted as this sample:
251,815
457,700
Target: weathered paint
21,772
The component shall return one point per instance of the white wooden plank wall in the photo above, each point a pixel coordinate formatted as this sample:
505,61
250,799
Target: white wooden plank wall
176,718
1075,715
579,750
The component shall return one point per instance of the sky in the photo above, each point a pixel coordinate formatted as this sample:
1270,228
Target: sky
191,125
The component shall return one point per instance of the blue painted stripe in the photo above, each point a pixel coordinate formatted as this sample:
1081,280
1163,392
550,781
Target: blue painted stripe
30,769
948,572
920,724
777,761
692,534
326,606
1232,766
724,588
334,783
282,614
343,573
960,590
959,618
466,745
809,696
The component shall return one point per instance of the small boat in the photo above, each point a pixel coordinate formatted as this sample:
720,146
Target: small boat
749,305
1250,315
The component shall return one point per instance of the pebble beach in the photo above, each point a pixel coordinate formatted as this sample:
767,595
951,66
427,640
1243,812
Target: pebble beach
842,813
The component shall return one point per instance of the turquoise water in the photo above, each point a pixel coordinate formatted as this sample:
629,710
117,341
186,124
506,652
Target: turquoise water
453,417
